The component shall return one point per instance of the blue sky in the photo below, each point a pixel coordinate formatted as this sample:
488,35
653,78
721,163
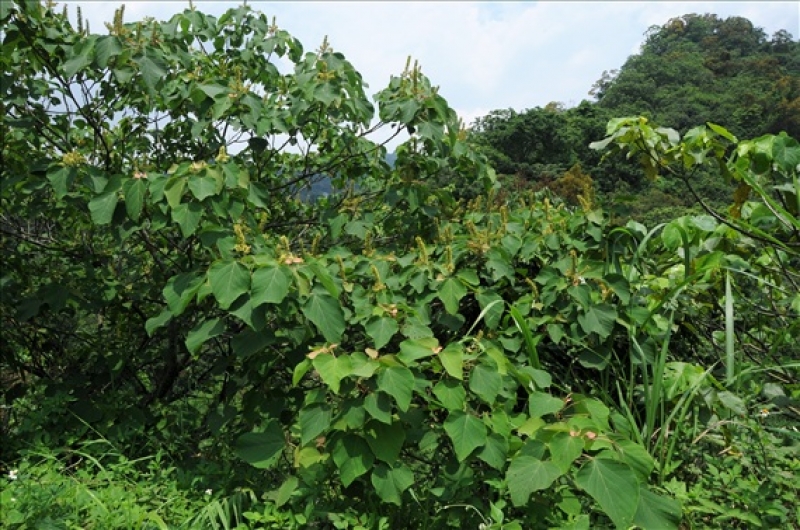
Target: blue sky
483,55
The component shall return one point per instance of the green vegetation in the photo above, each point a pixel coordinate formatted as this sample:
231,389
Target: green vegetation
692,70
192,342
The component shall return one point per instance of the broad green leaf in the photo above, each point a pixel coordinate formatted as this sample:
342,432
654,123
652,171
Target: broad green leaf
452,358
134,190
323,276
203,332
60,178
173,190
79,62
485,382
284,493
153,323
598,319
413,350
249,342
102,207
379,406
451,394
614,486
636,456
732,402
313,421
466,432
450,293
106,47
565,449
229,280
494,303
333,369
152,68
270,285
527,474
390,483
495,451
203,187
655,511
263,448
326,314
386,441
188,216
620,286
541,404
352,457
398,382
381,330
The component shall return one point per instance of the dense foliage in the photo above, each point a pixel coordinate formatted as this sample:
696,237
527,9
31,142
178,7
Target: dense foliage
190,340
693,69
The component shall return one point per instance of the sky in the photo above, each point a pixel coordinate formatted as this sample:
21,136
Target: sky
483,55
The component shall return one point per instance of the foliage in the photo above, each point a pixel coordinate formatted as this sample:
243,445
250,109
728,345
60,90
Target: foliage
508,360
693,69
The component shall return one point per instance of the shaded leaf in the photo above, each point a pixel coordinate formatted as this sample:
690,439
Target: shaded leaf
614,486
326,314
527,474
466,432
261,449
229,280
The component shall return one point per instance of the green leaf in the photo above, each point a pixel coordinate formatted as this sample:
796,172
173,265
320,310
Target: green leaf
386,441
450,293
485,382
614,486
173,190
390,483
379,406
284,493
261,449
333,369
541,404
313,421
398,382
102,207
527,474
466,432
494,303
451,394
270,285
637,457
249,342
229,280
188,216
413,350
106,47
60,178
452,358
655,511
202,187
352,457
153,323
203,332
495,451
565,449
152,68
598,319
381,330
326,314
79,62
134,190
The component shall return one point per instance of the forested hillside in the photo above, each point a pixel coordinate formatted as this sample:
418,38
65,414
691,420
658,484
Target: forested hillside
192,340
692,70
